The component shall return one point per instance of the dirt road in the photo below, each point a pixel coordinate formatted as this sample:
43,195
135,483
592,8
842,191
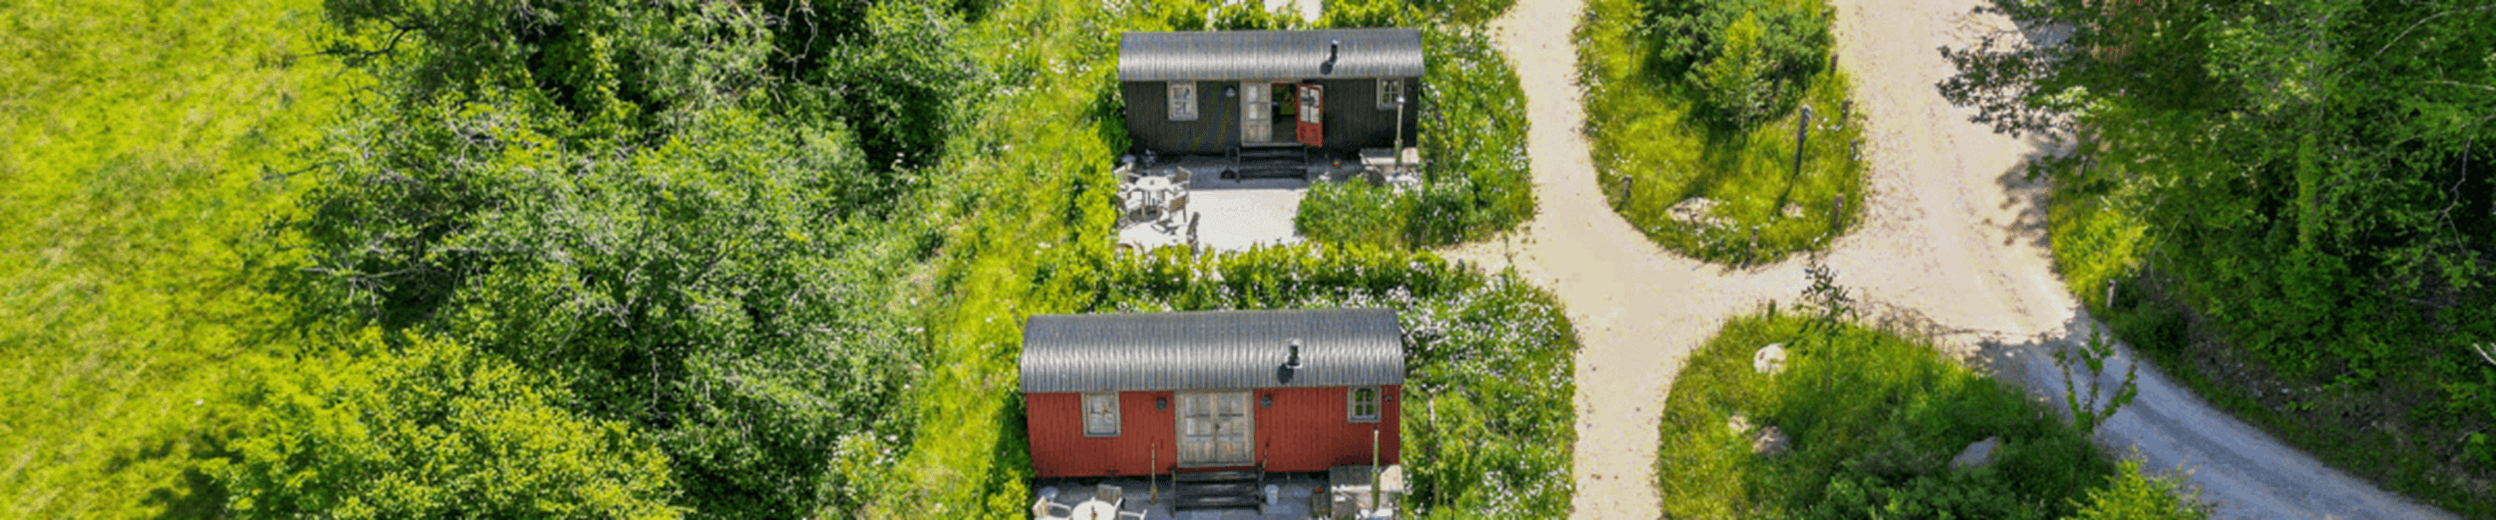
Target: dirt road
1955,234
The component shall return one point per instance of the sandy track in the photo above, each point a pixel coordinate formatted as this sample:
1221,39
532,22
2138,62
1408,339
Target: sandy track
1954,235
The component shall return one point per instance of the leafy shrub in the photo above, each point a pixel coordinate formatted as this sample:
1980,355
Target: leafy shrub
1749,59
2131,494
640,202
435,429
1463,12
707,291
1354,213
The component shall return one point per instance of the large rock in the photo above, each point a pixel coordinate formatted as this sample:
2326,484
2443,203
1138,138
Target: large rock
1977,455
1770,442
1769,359
1766,441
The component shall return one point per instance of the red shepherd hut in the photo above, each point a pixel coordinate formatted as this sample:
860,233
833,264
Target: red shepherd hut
1148,394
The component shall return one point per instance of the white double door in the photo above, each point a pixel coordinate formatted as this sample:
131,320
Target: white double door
1256,109
1216,429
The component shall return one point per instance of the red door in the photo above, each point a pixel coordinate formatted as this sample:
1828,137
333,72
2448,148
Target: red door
1311,130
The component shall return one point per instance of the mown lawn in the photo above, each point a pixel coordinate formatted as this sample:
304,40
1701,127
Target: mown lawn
142,146
1874,420
1652,153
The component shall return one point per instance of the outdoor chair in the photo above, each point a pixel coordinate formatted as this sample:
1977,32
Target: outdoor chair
1047,507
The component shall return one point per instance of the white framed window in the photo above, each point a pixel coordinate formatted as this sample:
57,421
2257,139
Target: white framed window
1388,90
1100,414
1364,404
1182,101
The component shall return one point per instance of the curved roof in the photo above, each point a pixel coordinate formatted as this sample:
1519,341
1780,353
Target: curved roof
1261,55
1214,350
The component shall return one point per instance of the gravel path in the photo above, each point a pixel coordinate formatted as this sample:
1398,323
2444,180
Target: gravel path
1955,236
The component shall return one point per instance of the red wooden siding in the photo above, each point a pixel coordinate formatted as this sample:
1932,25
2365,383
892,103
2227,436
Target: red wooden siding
1059,449
1309,429
1306,430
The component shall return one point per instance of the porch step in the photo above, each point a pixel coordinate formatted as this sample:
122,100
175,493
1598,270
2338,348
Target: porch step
1241,489
1286,160
1216,490
1188,503
1207,477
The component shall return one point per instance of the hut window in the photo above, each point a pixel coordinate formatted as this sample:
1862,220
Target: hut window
1100,415
1182,101
1388,90
1364,405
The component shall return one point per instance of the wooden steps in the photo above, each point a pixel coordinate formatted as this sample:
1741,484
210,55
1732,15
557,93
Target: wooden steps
1272,160
1216,490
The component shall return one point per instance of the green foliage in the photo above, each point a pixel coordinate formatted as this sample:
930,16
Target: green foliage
1355,213
632,71
434,429
2130,494
2090,409
142,145
2294,186
706,291
1874,419
618,197
1024,215
1657,146
1749,60
1489,425
1475,180
1472,13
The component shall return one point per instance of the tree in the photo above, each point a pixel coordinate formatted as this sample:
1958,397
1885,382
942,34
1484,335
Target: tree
435,429
1749,59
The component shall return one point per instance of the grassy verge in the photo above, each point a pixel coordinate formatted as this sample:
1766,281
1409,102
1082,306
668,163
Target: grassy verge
1653,155
1874,420
2362,429
135,173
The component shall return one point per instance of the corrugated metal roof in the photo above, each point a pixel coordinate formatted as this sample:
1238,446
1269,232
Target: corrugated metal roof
1211,350
1256,55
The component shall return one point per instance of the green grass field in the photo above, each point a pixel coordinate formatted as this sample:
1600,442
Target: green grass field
142,146
1874,419
1652,155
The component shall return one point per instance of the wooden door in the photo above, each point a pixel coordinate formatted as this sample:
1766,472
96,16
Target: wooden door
1312,128
1256,112
1216,429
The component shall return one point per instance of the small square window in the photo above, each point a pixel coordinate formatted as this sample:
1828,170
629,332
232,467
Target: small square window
1182,101
1388,90
1364,405
1100,415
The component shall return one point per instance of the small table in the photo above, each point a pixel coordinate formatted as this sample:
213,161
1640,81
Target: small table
1095,510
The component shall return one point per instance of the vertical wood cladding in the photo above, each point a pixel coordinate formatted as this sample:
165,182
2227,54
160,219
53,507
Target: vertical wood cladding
1214,132
1059,448
1306,430
1352,118
1309,429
